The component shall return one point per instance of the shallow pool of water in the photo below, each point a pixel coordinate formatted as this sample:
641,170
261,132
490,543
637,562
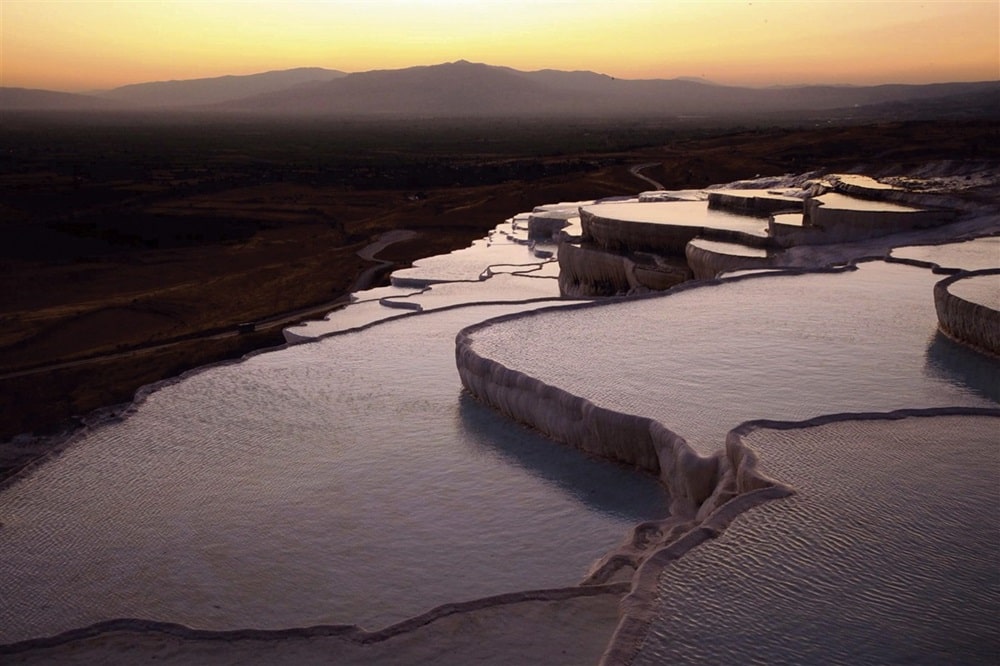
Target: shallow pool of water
508,284
678,213
703,360
886,554
730,249
469,263
980,289
343,481
970,255
844,202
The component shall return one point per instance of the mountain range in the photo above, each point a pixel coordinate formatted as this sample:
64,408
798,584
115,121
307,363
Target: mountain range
464,89
199,92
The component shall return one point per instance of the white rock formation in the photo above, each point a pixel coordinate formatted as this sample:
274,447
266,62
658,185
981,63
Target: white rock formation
971,316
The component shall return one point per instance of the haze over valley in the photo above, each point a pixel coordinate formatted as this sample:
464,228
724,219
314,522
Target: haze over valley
464,89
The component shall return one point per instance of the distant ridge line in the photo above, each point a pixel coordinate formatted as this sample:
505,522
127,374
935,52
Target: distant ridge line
465,89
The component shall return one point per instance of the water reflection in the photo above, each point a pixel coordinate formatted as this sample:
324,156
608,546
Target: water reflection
800,346
602,486
957,363
324,483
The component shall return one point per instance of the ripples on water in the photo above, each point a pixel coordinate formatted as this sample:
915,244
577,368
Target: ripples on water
785,347
970,255
342,481
351,481
886,554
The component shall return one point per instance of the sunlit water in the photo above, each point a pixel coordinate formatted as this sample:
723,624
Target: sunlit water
971,255
351,480
979,289
499,248
490,270
679,213
343,481
730,249
844,202
536,282
789,347
769,194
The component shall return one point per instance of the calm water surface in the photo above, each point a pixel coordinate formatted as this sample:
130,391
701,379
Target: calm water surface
785,347
886,554
343,481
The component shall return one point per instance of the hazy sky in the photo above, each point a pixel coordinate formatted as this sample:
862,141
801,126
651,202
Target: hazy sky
80,45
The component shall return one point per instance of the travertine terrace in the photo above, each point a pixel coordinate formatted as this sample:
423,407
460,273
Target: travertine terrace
659,240
808,341
968,309
774,356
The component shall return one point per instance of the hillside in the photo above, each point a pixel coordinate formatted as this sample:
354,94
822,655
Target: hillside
197,92
473,90
464,89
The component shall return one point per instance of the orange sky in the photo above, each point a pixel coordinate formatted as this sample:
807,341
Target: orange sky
80,45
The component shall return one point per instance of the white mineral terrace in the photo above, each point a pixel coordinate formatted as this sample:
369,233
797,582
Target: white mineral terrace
534,282
862,182
980,289
262,510
741,219
677,213
968,309
314,484
503,267
885,554
702,360
344,481
971,255
731,249
708,259
844,202
673,195
503,246
773,195
758,203
789,219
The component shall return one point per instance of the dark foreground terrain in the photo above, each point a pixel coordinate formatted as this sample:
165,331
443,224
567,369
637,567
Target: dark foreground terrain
136,246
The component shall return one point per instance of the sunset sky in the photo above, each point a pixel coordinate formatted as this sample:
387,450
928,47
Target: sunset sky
81,45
